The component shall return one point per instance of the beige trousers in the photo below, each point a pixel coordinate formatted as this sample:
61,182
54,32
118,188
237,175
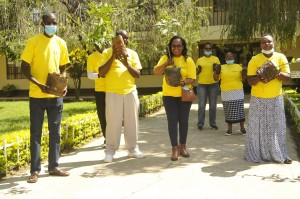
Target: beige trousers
121,108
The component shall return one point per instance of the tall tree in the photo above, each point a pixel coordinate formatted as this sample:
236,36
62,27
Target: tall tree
251,18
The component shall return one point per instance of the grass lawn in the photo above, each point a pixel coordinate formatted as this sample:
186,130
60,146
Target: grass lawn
14,115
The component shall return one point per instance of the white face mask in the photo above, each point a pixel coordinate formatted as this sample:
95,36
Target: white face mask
230,61
207,53
267,52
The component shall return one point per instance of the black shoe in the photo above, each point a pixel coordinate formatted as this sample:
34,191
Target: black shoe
243,131
214,127
200,128
229,132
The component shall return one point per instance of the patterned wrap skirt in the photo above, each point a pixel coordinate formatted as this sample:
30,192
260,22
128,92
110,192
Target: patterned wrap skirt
266,131
233,105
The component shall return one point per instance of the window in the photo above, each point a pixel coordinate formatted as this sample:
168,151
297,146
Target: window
13,71
221,5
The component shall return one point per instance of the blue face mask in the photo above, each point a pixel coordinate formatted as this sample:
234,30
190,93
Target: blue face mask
50,30
207,53
230,61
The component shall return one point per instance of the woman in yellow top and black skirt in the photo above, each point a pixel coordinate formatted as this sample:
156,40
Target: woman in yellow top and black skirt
177,111
232,94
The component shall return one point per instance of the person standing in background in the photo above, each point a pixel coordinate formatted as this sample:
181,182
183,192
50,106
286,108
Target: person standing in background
232,94
207,87
122,102
266,132
177,111
43,54
93,63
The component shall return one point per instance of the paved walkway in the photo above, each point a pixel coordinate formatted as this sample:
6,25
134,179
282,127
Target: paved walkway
216,169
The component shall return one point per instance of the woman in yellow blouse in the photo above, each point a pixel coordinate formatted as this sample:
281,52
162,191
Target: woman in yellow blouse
266,132
232,94
176,110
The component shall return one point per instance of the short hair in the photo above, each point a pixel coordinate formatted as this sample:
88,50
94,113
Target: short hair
208,44
47,15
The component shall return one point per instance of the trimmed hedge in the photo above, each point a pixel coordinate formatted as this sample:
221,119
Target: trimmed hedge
292,104
76,131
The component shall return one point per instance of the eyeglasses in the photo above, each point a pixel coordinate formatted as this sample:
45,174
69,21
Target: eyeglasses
207,48
176,46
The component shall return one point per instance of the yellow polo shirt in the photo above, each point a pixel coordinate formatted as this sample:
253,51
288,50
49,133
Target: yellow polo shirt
231,77
93,63
44,55
188,70
206,74
118,79
273,88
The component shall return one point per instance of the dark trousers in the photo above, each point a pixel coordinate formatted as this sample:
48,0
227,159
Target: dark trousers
100,104
177,113
54,108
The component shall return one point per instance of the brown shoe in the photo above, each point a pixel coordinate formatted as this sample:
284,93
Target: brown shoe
58,172
33,178
175,153
183,151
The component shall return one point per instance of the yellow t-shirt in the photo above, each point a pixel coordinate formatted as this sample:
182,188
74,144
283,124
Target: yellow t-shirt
273,88
93,63
206,74
118,79
44,55
231,77
188,70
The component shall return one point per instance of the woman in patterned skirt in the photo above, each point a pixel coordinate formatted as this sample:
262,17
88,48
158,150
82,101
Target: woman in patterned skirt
266,133
232,94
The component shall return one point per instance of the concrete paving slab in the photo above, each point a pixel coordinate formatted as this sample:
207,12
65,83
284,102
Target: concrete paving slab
216,169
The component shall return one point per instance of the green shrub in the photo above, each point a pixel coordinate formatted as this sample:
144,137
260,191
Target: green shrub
292,104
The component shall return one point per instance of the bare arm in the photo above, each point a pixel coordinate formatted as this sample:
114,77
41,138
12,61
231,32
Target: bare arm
284,76
133,71
216,77
198,70
63,70
160,69
254,79
187,81
244,74
25,68
217,72
105,67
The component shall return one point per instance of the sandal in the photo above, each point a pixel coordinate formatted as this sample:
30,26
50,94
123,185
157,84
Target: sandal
33,178
243,131
58,172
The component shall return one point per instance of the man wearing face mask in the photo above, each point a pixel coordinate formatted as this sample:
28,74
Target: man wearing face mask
44,53
266,132
232,94
207,87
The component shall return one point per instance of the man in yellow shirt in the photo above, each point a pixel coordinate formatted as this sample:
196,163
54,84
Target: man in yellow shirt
122,100
92,73
43,54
